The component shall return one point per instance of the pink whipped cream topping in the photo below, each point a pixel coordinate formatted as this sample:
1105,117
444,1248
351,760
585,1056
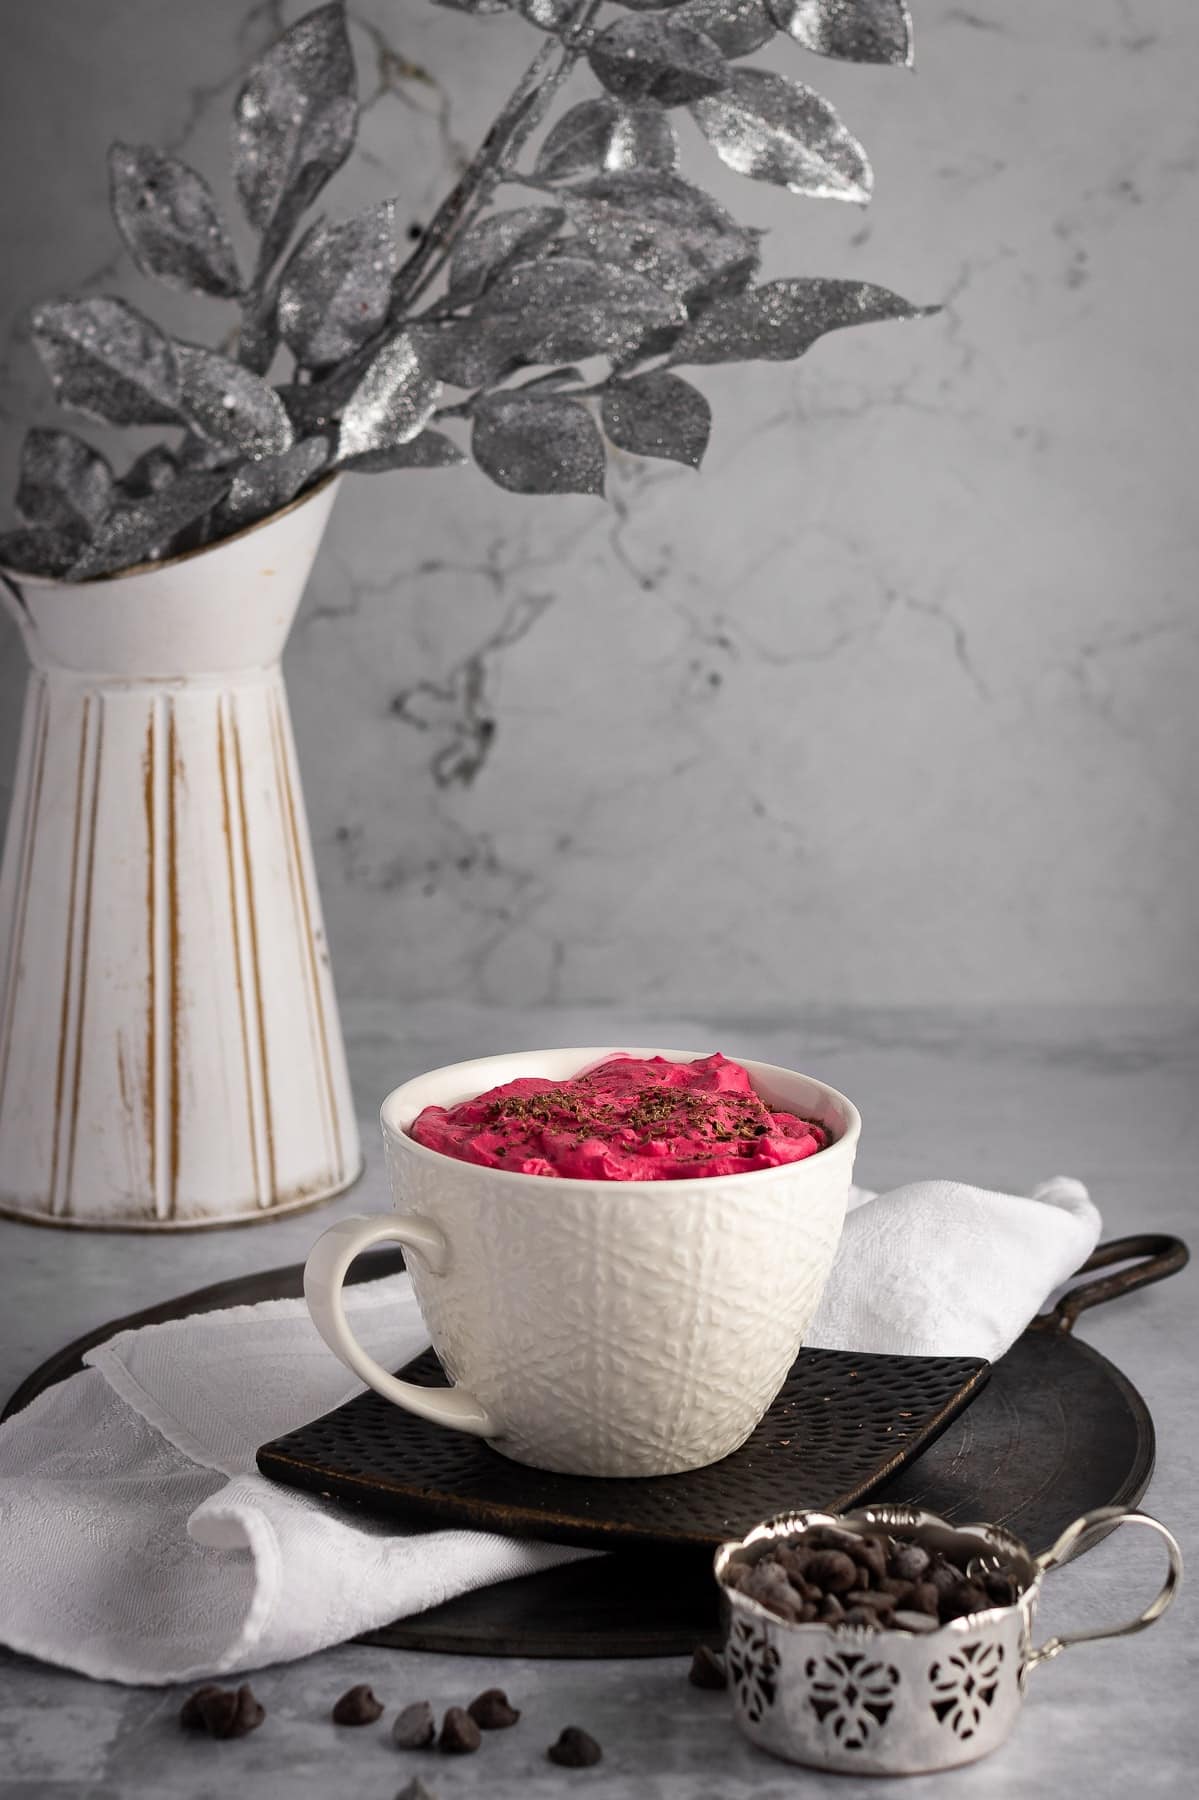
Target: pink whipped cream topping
628,1119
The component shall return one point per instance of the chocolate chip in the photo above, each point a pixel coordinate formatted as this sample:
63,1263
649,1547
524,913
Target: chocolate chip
191,1716
879,1603
738,1575
831,1610
491,1712
416,1727
833,1571
793,1563
707,1669
575,1749
357,1706
1002,1590
909,1560
221,1712
459,1733
897,1589
943,1575
905,1620
416,1790
861,1615
924,1598
966,1597
871,1553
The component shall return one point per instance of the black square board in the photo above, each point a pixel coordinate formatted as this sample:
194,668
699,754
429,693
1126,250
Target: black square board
841,1424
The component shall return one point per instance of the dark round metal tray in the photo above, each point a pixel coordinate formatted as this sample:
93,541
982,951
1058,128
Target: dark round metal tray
1056,1431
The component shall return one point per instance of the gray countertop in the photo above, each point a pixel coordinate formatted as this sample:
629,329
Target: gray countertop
1000,1098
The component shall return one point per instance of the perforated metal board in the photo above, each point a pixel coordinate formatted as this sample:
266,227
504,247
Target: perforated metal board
842,1423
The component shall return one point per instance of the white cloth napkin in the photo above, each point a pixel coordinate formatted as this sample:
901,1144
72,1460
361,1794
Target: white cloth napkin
138,1543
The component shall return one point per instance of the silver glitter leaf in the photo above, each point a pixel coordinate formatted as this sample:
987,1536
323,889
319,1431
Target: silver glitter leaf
47,550
773,129
63,483
229,407
658,415
261,488
661,227
152,471
431,450
336,287
599,134
864,31
735,26
295,119
642,137
571,307
395,399
651,57
107,361
781,319
547,15
547,445
170,222
540,312
490,246
578,141
138,529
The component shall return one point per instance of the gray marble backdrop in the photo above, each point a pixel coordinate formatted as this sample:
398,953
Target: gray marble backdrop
895,703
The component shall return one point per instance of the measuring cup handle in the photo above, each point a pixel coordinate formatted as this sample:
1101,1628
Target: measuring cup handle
1102,1519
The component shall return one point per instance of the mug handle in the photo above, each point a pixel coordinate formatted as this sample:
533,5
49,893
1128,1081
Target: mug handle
1103,1519
324,1275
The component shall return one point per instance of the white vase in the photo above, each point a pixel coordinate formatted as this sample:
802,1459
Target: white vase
170,1051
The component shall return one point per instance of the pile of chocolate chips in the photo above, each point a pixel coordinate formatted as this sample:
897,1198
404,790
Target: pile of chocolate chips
833,1577
223,1713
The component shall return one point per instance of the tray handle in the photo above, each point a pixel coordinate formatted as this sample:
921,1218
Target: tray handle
1159,1255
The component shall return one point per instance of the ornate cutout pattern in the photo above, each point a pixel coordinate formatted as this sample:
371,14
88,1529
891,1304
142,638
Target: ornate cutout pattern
852,1694
753,1664
964,1684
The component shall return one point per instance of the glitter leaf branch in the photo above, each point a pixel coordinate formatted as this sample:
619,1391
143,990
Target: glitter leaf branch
615,260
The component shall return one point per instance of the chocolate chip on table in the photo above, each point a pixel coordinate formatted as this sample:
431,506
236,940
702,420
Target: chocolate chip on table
221,1712
460,1736
416,1790
357,1706
575,1749
707,1669
491,1711
416,1727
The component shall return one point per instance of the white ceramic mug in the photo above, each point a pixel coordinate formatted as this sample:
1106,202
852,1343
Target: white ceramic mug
598,1328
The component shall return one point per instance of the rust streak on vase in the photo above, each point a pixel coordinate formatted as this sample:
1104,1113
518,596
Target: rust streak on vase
300,889
29,824
257,970
174,782
69,959
84,947
227,834
150,1097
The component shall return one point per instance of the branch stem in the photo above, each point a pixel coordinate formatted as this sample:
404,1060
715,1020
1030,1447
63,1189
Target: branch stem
519,118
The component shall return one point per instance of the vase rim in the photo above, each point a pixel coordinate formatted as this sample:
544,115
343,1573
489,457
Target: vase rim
19,578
